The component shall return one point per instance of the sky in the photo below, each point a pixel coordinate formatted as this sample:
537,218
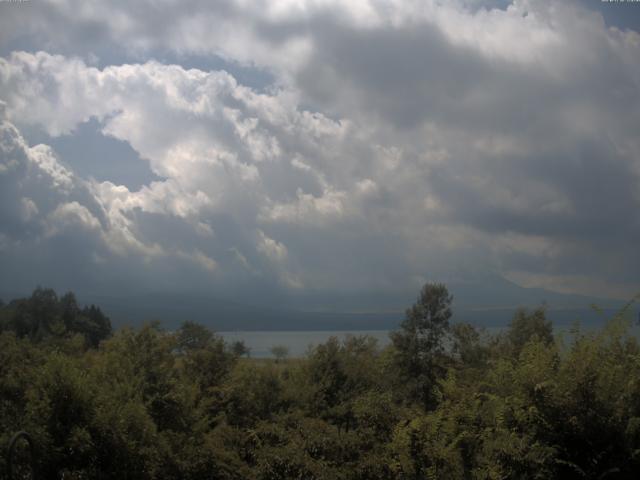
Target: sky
269,151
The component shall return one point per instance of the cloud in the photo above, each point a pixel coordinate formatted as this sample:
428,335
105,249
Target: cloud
223,152
71,213
398,140
200,259
32,182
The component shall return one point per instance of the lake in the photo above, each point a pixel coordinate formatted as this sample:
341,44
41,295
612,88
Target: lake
298,343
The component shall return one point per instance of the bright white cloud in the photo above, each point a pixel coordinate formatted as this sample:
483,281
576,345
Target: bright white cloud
70,214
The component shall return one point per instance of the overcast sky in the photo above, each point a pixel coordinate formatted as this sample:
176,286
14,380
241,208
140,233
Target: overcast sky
277,149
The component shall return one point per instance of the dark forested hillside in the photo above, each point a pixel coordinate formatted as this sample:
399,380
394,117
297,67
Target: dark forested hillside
442,401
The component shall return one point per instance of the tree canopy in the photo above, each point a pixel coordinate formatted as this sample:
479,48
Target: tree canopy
441,401
420,342
44,316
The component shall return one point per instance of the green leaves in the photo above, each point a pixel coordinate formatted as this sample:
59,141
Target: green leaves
419,344
151,404
44,317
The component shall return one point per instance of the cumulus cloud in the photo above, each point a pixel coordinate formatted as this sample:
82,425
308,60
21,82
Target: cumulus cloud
215,143
398,140
32,181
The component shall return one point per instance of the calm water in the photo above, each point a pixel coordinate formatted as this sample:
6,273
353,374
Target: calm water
298,343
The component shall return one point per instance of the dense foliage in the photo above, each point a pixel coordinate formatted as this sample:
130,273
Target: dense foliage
442,401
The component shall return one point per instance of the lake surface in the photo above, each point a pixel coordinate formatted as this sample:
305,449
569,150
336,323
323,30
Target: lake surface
298,343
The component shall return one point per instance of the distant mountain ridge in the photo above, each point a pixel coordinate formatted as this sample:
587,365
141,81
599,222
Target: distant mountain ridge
490,302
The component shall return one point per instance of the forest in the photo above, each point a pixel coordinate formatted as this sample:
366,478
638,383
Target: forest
444,400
